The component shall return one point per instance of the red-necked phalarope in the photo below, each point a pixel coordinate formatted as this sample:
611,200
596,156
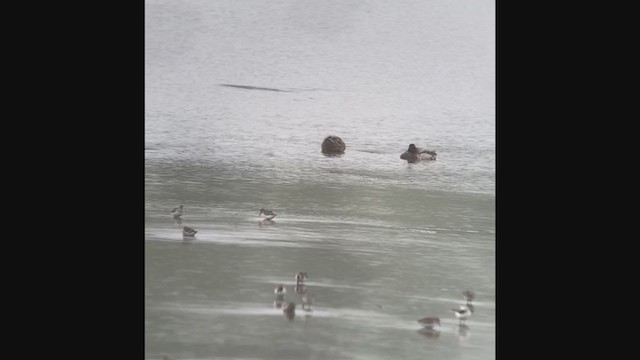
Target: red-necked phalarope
307,299
176,212
464,312
189,232
429,322
268,214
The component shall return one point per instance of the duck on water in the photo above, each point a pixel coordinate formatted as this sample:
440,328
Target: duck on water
414,154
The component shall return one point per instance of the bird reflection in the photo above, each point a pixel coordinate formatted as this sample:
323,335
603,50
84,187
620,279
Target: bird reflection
278,304
463,332
178,221
268,214
429,333
266,222
306,297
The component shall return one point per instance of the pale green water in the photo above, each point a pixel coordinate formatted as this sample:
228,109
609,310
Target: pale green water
384,242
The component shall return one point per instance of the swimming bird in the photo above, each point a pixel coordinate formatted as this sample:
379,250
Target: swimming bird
189,232
176,212
300,278
290,310
414,154
463,313
468,296
269,214
429,322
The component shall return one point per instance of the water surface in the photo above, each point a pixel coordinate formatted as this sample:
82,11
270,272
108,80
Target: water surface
384,242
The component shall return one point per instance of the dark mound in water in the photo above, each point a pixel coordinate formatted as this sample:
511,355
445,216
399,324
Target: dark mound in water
333,145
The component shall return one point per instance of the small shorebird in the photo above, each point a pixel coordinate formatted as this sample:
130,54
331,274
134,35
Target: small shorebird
300,278
289,310
307,299
280,290
429,332
189,232
463,313
278,303
468,296
429,322
176,212
268,214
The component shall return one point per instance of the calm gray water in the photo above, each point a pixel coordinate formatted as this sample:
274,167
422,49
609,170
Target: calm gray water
384,242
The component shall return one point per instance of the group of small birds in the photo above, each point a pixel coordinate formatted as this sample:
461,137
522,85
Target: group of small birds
189,232
463,313
331,144
429,324
289,307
